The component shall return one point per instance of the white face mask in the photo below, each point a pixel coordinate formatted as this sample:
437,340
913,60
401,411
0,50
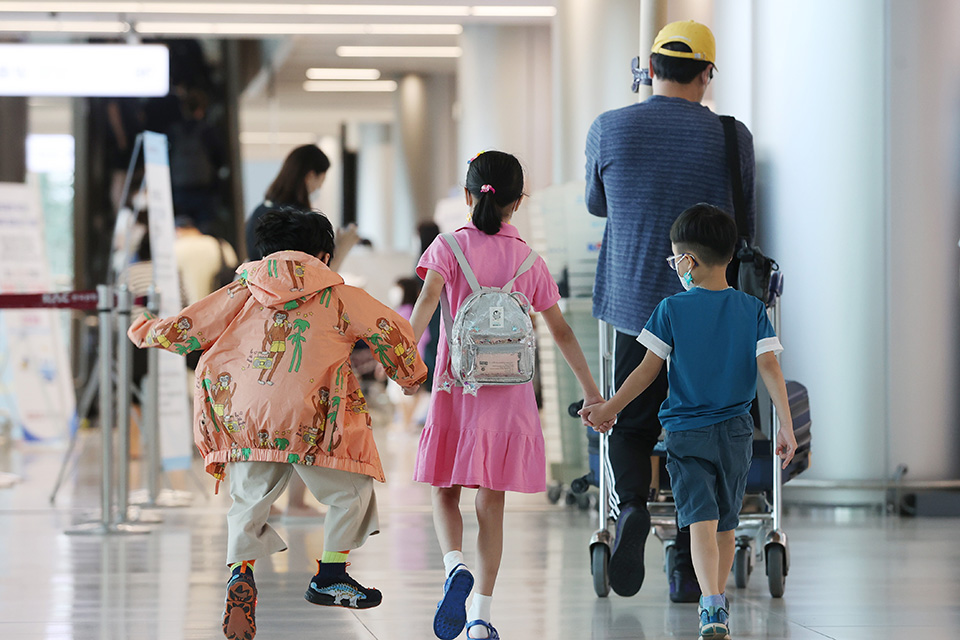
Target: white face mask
686,280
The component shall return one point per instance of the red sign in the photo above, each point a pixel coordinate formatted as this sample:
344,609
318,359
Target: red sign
61,300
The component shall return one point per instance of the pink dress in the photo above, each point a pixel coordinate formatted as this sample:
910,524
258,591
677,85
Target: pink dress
493,440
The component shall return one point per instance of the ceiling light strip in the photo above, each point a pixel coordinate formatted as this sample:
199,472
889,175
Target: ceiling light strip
399,52
277,28
266,8
63,26
363,86
317,73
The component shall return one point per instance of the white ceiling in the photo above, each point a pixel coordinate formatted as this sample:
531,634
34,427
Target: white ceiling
276,102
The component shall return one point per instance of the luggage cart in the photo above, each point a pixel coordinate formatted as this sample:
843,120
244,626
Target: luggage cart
601,543
760,517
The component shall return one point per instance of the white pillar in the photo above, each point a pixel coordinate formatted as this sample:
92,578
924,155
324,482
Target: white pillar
819,131
503,101
503,87
594,42
425,148
923,101
375,184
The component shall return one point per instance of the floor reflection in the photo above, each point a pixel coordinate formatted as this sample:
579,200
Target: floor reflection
854,575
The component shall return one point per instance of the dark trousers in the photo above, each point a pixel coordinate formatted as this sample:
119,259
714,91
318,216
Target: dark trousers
638,427
637,431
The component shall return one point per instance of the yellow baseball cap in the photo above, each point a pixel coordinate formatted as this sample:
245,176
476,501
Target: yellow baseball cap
693,34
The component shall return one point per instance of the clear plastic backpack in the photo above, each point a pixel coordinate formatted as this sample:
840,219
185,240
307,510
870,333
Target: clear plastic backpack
491,339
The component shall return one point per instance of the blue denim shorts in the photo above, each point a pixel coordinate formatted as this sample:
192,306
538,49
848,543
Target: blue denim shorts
708,470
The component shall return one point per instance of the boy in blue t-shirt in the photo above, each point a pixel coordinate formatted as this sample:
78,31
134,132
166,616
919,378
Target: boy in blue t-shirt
717,339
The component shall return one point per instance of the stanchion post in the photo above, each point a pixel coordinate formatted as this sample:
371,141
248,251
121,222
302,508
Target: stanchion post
150,424
124,380
105,317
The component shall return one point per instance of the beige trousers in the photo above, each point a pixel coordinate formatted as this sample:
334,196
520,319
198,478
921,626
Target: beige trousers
254,486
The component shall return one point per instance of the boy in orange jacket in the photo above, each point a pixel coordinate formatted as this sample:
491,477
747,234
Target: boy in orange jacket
275,394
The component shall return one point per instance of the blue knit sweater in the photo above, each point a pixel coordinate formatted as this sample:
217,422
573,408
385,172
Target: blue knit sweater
646,163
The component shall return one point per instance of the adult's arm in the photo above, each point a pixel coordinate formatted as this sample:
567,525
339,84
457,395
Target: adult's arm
595,196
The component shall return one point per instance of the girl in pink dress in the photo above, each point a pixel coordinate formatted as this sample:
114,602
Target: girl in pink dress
491,441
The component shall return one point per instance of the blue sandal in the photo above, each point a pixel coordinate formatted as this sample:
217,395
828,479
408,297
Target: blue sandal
481,623
451,612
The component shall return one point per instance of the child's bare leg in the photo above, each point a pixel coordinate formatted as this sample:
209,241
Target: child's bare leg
727,547
490,540
447,519
706,556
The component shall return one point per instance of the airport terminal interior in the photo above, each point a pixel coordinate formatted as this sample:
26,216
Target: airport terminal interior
127,128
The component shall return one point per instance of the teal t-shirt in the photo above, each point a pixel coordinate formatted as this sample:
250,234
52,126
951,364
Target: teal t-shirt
711,340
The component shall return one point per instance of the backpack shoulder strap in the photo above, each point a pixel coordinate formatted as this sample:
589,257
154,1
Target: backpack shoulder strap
522,269
462,261
736,179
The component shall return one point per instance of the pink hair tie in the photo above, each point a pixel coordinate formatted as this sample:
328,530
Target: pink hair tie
485,188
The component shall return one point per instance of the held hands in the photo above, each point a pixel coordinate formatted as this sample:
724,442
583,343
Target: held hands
593,414
786,445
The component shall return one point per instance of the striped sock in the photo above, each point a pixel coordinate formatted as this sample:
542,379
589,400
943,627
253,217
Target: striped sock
245,566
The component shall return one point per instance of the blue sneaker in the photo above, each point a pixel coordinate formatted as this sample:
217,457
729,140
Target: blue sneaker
626,561
714,623
451,615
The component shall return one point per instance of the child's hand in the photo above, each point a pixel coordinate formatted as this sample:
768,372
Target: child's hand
410,391
786,445
593,415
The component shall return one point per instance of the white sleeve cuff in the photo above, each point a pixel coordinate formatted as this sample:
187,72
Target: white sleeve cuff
769,344
655,344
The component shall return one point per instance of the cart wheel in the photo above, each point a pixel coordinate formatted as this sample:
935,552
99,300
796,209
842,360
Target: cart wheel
669,559
554,492
776,570
583,501
741,567
599,564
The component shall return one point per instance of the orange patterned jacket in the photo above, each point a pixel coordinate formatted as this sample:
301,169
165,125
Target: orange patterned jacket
274,382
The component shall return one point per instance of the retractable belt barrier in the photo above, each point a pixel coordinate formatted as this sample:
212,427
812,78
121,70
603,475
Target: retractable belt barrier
80,300
113,306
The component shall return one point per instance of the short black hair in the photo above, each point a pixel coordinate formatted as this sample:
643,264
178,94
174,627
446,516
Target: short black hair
682,70
707,231
293,229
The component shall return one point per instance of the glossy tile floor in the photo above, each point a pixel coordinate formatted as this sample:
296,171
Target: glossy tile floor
854,574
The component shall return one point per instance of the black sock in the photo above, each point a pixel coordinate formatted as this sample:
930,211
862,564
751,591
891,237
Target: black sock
332,569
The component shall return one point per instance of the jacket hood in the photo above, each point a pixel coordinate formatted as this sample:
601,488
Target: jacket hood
287,275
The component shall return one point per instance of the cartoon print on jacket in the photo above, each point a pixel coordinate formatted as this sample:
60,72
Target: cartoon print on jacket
343,320
274,344
297,339
263,439
296,274
357,404
237,285
403,349
175,335
315,432
223,395
314,414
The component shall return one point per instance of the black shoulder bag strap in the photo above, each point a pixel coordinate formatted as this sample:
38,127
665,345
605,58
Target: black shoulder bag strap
736,179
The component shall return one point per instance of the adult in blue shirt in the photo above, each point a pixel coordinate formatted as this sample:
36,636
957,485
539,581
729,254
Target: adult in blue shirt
646,163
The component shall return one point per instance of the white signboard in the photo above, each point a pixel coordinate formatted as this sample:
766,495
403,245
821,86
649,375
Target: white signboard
36,384
174,411
92,70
